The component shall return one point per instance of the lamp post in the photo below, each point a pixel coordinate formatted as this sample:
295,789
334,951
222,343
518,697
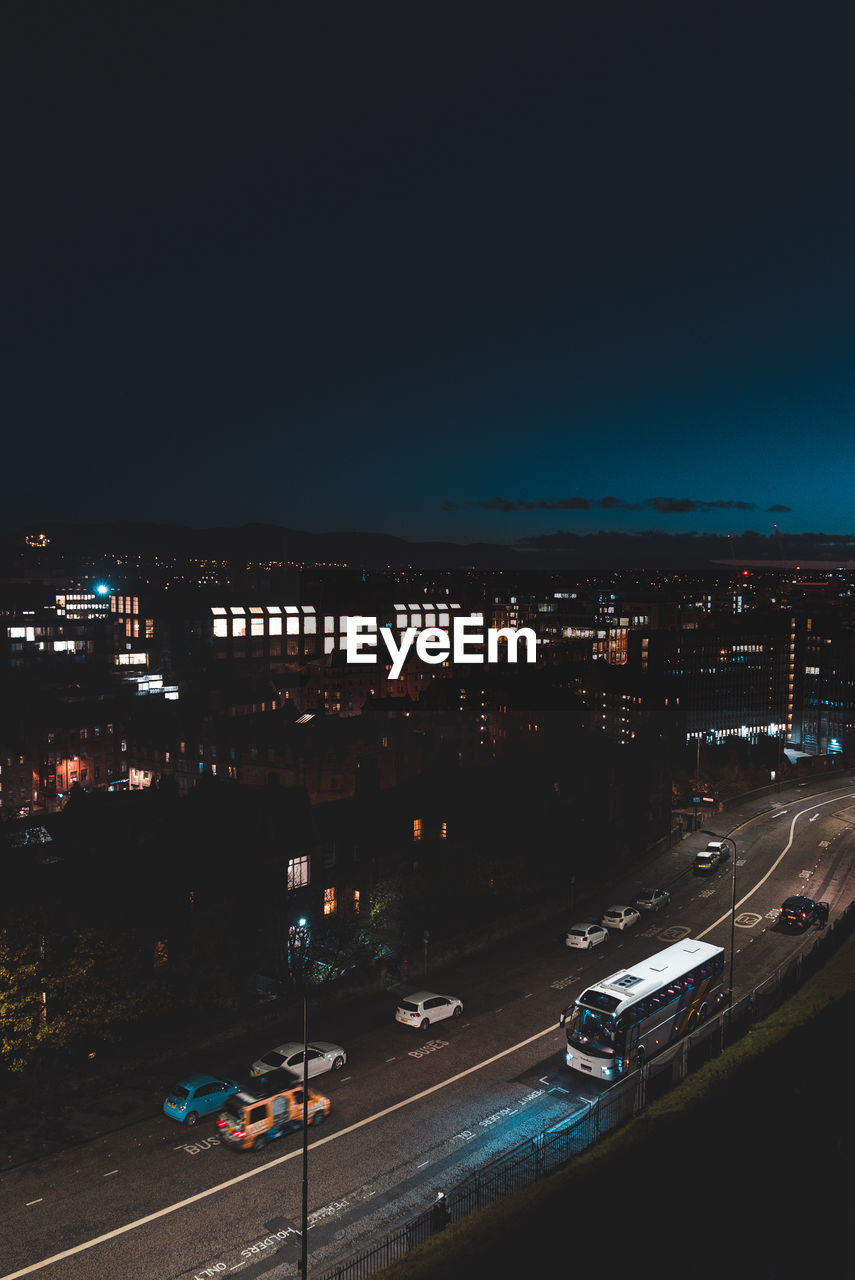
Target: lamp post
299,937
729,840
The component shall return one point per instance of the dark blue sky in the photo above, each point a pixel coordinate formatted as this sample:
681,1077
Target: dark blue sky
450,272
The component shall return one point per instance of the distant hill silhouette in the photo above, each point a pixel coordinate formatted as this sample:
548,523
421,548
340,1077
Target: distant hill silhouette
604,550
269,542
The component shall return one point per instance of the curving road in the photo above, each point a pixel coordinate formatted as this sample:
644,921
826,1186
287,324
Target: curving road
411,1111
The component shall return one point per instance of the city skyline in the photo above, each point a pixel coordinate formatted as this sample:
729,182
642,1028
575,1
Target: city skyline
586,277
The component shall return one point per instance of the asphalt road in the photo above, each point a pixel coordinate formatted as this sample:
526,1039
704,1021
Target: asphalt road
411,1111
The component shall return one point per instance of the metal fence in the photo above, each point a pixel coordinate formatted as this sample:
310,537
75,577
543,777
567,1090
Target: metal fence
559,1145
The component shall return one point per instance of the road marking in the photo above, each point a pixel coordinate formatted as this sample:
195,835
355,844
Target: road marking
40,1199
378,1115
763,879
273,1164
110,1174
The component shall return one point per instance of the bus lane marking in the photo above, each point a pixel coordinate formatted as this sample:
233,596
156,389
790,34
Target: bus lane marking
430,1046
168,1209
193,1148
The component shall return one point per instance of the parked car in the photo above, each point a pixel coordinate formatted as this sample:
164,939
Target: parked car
323,1056
650,899
800,912
198,1095
424,1007
711,859
585,936
620,917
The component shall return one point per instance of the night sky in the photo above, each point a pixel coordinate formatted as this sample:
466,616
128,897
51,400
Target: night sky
458,272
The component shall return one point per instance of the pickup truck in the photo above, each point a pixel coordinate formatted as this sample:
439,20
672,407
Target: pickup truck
799,912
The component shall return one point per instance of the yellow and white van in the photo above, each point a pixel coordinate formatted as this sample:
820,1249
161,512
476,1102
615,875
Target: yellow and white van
260,1112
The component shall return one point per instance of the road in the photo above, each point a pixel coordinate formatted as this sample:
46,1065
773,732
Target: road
412,1112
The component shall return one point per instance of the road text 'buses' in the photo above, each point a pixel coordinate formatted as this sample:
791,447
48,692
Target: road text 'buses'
631,1015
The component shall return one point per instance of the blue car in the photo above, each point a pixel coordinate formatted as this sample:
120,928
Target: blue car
196,1096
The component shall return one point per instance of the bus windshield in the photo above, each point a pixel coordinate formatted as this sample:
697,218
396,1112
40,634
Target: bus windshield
595,1032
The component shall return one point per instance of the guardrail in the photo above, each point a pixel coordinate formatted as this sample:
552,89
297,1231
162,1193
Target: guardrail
561,1143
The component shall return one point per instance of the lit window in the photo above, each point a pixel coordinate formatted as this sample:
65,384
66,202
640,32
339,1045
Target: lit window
329,902
417,828
298,872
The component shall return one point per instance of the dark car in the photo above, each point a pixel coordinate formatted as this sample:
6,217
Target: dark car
798,912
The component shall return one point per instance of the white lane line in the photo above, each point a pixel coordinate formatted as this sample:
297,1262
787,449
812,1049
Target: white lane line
272,1164
251,1173
781,855
39,1201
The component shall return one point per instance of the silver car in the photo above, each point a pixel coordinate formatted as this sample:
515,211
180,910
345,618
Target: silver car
323,1056
652,899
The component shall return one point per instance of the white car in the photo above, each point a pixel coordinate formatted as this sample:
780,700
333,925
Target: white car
323,1056
620,917
424,1007
586,936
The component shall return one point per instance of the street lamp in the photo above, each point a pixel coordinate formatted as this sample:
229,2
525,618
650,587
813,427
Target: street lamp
729,840
299,938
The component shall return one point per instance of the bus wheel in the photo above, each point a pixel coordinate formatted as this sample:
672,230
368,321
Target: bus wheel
702,1013
640,1059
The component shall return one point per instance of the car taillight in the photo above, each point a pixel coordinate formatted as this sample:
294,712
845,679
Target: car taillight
221,1124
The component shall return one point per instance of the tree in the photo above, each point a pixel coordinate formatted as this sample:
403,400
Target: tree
22,1026
57,991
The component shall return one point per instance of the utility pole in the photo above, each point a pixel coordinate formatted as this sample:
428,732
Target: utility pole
299,962
729,840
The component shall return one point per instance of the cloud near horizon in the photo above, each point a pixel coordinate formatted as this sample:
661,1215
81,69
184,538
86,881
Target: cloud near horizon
639,547
665,506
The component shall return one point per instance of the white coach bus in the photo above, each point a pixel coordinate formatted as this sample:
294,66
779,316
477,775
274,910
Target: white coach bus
628,1017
